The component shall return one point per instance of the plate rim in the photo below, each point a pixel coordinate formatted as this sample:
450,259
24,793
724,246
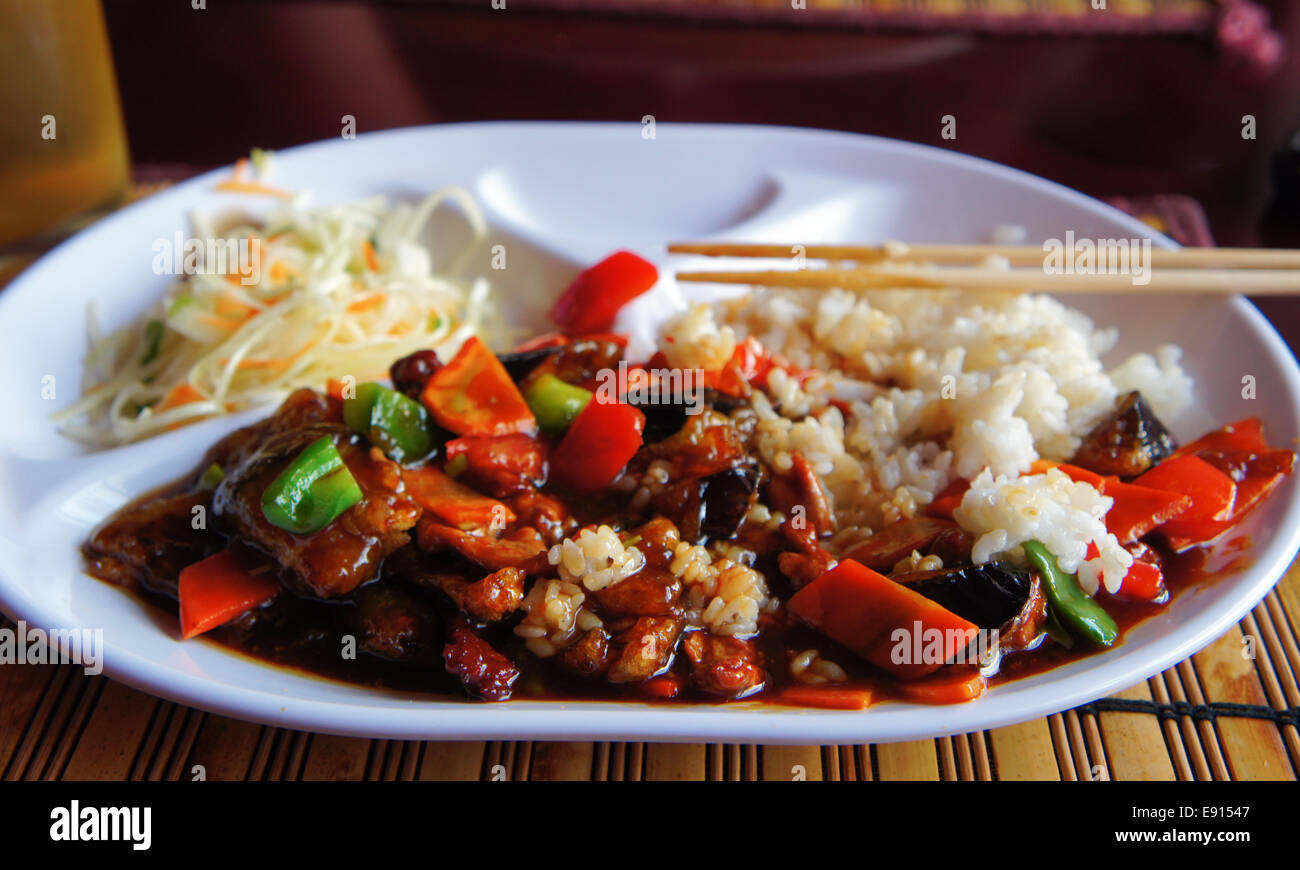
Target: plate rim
559,720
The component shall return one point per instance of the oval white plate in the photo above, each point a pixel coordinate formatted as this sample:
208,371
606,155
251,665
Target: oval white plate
559,196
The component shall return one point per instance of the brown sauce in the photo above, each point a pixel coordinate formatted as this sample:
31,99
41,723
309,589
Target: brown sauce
307,636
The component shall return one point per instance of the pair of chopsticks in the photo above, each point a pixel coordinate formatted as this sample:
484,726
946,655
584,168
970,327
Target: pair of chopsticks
1255,271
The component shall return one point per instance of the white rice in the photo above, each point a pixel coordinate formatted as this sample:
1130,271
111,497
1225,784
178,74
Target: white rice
1065,516
553,617
694,340
722,592
940,385
595,558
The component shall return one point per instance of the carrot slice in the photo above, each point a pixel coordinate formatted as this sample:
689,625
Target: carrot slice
454,502
887,623
954,685
218,589
1074,472
474,395
827,697
372,259
181,394
664,687
368,301
335,388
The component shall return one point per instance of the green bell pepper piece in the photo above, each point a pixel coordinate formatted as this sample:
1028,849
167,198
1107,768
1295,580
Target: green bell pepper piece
555,403
393,422
212,477
356,410
312,491
1074,611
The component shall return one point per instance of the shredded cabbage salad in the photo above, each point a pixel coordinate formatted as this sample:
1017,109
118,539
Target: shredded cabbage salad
341,290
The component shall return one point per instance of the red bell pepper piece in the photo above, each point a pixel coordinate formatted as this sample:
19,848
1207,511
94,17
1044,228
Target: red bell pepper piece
728,380
595,297
1139,509
1245,434
1143,582
1240,452
597,446
550,339
752,359
452,501
218,589
948,499
503,463
474,395
880,619
751,363
1256,475
1213,496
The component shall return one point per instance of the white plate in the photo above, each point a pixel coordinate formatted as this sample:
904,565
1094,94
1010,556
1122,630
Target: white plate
561,195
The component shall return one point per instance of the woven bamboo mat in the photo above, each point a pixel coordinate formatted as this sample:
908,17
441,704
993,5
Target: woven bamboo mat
1221,714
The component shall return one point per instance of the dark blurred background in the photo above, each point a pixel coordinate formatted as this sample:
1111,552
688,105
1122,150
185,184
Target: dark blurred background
1145,97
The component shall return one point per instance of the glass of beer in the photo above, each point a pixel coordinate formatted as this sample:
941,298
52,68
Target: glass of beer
62,141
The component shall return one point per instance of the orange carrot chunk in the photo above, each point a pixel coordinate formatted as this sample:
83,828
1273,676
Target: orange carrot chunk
1074,472
953,685
453,502
885,622
827,697
474,395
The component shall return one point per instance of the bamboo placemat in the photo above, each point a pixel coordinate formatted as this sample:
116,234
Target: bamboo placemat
1221,714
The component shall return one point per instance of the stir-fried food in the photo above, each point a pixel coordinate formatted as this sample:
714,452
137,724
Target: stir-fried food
821,528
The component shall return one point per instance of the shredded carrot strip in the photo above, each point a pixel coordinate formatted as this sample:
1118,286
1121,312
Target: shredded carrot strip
226,323
181,394
370,300
372,259
276,362
238,185
230,305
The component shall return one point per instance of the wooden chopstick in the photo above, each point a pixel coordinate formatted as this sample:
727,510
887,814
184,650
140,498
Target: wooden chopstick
1256,282
1016,255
